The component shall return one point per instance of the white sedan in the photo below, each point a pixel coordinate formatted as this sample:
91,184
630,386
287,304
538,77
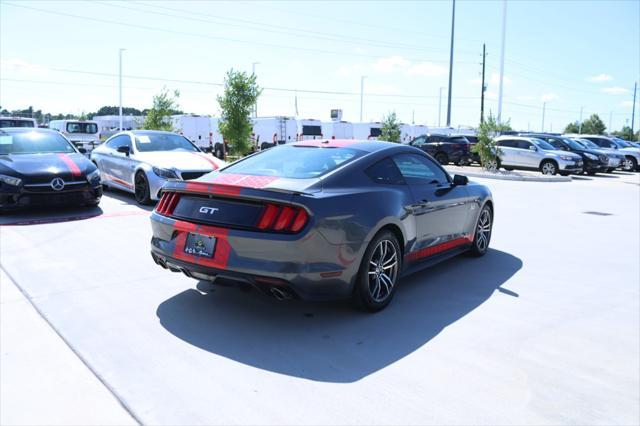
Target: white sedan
141,162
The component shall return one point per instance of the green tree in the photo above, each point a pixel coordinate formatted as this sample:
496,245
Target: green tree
486,147
158,117
626,133
593,125
572,128
241,93
390,130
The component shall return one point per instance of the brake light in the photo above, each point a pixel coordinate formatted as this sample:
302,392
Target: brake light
282,218
167,203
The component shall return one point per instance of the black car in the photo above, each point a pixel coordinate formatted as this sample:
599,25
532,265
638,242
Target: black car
593,160
445,148
41,167
321,219
473,139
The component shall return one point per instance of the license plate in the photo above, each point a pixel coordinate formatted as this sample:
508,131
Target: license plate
200,245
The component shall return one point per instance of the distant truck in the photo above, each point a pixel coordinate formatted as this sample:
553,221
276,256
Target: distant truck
17,122
337,129
367,131
82,133
271,131
196,128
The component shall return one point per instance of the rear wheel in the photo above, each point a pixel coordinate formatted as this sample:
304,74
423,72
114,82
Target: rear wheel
378,273
442,158
591,172
142,189
629,164
548,167
482,235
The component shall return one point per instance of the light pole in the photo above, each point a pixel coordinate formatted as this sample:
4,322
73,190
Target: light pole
504,33
633,110
361,95
580,125
120,86
440,107
453,24
253,72
544,106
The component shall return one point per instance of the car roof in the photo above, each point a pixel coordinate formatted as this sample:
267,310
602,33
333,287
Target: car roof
363,145
524,138
28,130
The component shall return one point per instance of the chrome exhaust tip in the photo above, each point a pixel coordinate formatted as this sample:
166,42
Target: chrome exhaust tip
280,294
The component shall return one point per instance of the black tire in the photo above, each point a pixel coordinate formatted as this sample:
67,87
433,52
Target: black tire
549,167
92,204
610,170
442,158
509,169
141,189
218,153
564,173
482,233
375,293
630,164
591,172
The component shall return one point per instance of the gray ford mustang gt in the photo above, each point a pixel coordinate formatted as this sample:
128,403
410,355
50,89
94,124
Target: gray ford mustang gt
321,220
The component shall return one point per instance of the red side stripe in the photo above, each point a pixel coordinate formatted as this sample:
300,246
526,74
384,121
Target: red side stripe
439,248
73,167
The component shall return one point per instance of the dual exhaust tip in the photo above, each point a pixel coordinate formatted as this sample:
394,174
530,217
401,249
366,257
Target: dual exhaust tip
280,294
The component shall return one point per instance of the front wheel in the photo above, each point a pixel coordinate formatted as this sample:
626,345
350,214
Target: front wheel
629,164
378,273
483,230
142,189
442,158
548,167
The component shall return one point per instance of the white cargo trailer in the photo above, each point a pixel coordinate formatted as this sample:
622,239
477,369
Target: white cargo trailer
196,128
309,129
269,131
337,130
364,131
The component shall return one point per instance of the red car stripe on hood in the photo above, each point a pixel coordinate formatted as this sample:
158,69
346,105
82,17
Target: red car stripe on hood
73,167
210,160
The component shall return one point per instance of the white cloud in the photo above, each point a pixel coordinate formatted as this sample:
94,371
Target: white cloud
350,70
616,90
391,64
383,89
626,104
548,97
359,50
599,78
426,69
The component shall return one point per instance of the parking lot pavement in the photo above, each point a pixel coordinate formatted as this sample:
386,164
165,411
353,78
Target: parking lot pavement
542,330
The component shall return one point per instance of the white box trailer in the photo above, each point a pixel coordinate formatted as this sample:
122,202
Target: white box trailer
367,131
406,133
420,129
269,131
337,130
309,129
196,128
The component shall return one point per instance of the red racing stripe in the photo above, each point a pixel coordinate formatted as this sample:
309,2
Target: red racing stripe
210,160
221,252
439,248
73,167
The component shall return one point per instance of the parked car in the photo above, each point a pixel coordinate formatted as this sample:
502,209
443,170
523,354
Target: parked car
141,161
83,134
41,167
321,219
594,161
526,153
631,154
445,148
17,122
615,160
473,139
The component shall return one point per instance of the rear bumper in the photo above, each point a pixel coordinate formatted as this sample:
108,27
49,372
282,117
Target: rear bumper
304,264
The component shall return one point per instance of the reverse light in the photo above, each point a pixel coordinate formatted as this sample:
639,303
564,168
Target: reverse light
282,218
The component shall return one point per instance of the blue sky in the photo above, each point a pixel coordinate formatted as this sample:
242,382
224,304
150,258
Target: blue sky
61,56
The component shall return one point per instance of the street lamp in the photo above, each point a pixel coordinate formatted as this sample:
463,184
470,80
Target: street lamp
120,85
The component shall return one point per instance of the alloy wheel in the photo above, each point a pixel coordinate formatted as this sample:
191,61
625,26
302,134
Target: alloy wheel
483,230
383,270
140,187
627,165
548,169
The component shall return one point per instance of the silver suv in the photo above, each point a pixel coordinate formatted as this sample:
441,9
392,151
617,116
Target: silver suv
525,153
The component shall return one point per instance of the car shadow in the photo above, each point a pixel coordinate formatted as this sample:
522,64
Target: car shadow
606,176
127,198
330,341
581,178
49,214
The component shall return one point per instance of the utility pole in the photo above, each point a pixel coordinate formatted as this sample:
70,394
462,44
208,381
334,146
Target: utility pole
453,23
413,117
610,116
253,72
633,110
580,125
544,106
484,57
361,95
440,107
504,33
120,87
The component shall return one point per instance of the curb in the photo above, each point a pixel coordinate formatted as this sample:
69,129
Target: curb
512,177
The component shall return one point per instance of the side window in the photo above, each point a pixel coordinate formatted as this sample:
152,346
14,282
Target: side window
419,169
118,141
385,172
507,143
523,144
419,141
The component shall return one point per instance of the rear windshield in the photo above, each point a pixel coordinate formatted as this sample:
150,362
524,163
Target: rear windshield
376,132
295,162
311,131
82,128
163,142
33,143
15,123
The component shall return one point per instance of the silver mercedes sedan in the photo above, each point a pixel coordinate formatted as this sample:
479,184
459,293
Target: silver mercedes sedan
141,161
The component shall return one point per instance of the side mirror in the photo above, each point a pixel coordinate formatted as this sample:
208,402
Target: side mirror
533,148
125,150
82,150
460,180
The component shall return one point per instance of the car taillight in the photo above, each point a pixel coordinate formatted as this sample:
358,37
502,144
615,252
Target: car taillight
282,218
167,203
